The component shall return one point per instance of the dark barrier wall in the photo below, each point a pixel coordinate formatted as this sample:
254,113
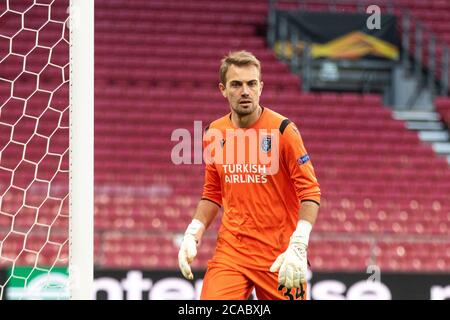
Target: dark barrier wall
170,285
322,27
341,35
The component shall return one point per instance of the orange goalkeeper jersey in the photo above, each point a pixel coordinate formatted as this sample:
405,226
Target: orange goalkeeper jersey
259,175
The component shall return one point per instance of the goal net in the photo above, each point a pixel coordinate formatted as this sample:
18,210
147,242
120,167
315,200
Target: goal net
39,141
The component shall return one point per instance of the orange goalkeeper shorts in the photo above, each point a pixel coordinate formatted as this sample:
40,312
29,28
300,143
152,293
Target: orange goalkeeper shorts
227,282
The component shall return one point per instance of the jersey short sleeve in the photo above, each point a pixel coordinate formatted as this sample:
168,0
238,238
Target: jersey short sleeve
212,187
299,165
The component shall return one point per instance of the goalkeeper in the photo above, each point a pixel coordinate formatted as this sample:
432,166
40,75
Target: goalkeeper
262,242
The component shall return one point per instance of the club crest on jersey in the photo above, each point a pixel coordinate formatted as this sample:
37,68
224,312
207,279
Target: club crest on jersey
266,144
303,159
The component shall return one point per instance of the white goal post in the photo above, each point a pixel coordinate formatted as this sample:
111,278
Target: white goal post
81,230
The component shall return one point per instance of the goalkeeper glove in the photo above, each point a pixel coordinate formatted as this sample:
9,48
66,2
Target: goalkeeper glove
292,264
188,248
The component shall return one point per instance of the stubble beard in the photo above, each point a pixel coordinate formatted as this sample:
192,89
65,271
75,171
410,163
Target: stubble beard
240,111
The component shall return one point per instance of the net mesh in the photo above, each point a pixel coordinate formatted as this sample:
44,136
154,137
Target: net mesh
34,141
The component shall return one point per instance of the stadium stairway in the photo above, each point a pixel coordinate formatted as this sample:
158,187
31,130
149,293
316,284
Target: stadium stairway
430,127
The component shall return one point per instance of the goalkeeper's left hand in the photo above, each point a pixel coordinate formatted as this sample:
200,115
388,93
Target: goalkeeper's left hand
292,264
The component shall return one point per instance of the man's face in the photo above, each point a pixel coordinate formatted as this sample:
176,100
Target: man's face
243,89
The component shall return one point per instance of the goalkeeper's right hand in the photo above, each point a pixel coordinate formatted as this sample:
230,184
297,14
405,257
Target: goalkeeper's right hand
188,248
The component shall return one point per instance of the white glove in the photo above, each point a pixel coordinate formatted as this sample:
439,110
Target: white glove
188,248
292,264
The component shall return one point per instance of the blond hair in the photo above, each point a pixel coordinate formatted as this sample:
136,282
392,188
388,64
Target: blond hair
237,58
